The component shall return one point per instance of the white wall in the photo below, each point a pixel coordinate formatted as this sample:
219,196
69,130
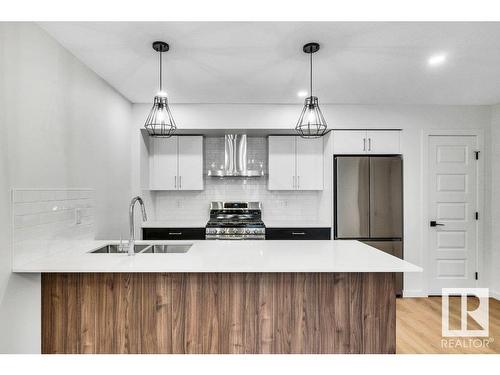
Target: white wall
494,240
62,127
412,119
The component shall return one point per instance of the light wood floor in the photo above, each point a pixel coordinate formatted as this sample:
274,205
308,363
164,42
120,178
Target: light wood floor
418,326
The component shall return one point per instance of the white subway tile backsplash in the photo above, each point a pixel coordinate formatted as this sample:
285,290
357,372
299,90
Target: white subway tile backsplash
44,221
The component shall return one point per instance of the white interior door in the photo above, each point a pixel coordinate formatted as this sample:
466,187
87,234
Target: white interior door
190,163
309,164
163,163
281,163
452,205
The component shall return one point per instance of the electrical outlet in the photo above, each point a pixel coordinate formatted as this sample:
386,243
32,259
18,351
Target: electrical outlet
78,216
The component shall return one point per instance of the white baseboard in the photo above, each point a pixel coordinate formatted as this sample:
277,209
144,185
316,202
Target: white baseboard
414,293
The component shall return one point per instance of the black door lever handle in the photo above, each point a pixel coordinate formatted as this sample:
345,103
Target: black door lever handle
435,224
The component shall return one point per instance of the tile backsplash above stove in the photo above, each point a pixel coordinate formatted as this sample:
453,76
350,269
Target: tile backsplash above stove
278,206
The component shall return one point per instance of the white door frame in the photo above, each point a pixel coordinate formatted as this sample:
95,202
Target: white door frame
480,188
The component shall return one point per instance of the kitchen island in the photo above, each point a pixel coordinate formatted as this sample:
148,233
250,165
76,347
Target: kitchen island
221,297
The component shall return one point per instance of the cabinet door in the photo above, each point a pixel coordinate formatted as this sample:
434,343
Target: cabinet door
190,163
349,142
386,197
383,142
298,233
152,234
163,163
281,163
309,164
352,197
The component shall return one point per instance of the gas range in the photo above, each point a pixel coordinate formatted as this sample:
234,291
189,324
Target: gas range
235,221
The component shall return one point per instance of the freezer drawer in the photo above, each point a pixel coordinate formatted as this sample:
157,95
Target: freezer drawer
386,197
394,248
352,197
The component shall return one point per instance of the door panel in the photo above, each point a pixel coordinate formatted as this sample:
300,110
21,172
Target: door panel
452,202
393,248
383,142
309,164
281,163
190,163
349,142
163,167
352,197
386,197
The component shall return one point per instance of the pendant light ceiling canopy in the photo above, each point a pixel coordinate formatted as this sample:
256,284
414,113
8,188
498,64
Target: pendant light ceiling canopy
311,122
160,122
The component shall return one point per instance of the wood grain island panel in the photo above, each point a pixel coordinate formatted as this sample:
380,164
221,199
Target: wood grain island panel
229,313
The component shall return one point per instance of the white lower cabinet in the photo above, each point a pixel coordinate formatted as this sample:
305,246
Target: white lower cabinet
176,163
295,163
358,142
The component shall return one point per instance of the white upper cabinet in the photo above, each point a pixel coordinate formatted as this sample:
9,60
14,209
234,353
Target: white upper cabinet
163,163
383,142
190,152
176,163
295,163
366,142
349,142
281,163
309,163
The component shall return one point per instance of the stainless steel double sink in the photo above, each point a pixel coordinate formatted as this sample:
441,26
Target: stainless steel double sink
145,249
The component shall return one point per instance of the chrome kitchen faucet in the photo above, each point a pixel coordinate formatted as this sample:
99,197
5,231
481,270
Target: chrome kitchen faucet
131,242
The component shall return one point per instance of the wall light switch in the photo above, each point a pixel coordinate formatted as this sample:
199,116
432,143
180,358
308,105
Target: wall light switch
78,215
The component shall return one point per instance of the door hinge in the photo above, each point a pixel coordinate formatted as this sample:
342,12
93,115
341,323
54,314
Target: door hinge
477,154
477,215
477,276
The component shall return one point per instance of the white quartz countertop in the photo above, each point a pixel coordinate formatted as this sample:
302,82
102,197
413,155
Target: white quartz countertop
226,256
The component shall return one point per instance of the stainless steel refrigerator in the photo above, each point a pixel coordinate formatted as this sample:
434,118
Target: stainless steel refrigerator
369,203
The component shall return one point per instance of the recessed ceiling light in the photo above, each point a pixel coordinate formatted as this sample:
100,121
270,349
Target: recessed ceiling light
302,94
437,59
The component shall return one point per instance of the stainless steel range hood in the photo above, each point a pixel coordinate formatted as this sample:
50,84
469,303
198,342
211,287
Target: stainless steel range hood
235,158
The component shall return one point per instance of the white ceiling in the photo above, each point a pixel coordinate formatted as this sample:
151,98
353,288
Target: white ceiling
263,62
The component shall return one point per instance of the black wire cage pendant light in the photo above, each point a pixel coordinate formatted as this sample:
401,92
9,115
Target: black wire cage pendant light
160,122
311,122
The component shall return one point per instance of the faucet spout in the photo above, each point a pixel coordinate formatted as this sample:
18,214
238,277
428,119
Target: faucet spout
131,242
